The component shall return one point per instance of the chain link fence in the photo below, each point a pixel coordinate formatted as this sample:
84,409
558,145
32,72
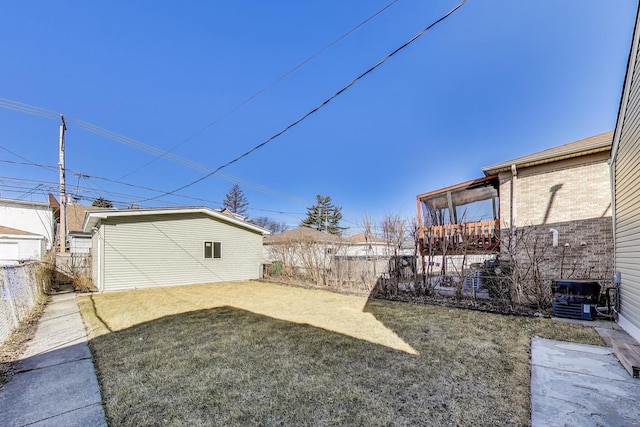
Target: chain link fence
20,288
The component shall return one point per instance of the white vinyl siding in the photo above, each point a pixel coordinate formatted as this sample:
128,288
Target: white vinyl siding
167,250
20,248
79,244
9,251
627,205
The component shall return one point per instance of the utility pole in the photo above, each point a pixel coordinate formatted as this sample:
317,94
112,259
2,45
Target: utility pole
62,231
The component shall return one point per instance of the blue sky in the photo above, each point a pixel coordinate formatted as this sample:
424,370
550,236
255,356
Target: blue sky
498,79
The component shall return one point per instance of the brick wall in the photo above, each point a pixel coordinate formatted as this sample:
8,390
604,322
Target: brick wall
584,251
569,190
571,196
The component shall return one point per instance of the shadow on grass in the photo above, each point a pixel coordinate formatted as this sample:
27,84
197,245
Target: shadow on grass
232,366
226,366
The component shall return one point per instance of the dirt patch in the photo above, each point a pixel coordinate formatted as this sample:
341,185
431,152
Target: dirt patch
16,344
487,306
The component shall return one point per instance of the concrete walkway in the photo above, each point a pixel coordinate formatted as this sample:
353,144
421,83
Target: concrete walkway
580,385
55,383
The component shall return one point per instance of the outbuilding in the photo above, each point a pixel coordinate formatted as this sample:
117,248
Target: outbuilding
146,248
18,246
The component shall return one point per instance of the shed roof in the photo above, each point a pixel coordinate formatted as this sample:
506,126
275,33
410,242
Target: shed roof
594,144
24,203
301,233
362,238
93,218
8,231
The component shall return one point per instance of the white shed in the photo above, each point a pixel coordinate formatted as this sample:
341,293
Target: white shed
143,248
19,245
625,158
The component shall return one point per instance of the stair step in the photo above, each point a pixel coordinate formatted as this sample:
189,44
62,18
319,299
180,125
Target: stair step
626,349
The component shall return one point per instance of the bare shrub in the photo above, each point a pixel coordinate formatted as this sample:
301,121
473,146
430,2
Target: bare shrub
45,272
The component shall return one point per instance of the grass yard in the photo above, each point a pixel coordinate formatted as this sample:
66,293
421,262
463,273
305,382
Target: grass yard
255,353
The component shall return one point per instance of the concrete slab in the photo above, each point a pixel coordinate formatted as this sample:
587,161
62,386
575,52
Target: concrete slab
60,329
56,382
92,415
42,394
580,385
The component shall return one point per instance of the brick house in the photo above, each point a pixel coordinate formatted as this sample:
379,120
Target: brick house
562,196
558,198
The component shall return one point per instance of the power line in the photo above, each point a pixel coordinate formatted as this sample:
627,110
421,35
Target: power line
46,187
11,152
89,127
52,185
313,111
159,153
264,89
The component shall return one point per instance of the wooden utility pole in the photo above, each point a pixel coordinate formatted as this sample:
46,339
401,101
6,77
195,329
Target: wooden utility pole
62,231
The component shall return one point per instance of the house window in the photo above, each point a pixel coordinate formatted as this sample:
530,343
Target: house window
212,250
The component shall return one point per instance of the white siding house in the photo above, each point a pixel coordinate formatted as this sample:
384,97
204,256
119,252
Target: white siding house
143,248
33,217
19,245
625,170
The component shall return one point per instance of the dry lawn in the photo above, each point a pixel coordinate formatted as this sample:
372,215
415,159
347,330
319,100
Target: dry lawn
256,353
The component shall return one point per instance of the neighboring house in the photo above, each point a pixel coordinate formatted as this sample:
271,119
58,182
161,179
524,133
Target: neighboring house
361,246
78,241
325,247
625,170
145,248
302,247
307,250
32,217
560,196
19,245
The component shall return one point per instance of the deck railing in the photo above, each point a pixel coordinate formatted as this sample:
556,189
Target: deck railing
470,237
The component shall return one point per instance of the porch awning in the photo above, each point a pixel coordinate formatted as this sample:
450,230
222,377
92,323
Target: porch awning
476,190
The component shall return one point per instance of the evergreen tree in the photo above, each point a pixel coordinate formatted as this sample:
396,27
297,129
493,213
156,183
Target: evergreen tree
236,201
101,202
324,216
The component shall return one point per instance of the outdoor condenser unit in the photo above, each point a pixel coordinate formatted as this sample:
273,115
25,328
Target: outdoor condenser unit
575,299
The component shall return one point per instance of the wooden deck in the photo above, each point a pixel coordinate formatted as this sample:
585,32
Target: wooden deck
626,349
473,237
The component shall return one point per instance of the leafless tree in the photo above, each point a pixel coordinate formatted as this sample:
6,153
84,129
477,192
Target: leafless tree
393,234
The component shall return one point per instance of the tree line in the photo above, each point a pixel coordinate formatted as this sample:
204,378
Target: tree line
324,215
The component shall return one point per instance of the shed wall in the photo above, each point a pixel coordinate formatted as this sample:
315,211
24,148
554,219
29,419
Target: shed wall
17,249
167,250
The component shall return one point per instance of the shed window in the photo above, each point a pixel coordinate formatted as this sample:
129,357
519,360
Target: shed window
212,250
